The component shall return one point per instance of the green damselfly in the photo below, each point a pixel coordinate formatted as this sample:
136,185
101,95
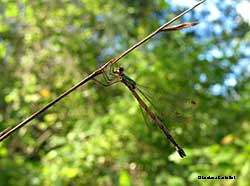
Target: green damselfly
132,86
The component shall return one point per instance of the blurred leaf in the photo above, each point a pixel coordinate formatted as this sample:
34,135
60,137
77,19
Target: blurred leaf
124,178
228,139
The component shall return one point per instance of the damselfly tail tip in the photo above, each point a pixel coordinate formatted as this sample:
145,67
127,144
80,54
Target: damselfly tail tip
181,152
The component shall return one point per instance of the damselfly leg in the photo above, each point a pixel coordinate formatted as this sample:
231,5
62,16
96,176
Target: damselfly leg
108,77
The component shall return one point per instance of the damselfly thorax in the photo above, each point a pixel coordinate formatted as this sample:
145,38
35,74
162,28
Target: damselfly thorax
124,78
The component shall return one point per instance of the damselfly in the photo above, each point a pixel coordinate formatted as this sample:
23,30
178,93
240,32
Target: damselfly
132,86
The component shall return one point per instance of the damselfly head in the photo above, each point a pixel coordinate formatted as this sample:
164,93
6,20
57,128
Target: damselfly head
121,69
118,71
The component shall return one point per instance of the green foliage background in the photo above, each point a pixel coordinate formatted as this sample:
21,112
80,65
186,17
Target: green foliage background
97,135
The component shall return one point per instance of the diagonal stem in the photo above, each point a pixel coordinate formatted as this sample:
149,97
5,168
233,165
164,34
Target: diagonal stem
93,74
35,114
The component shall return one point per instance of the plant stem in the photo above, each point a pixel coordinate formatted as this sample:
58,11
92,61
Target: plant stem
98,71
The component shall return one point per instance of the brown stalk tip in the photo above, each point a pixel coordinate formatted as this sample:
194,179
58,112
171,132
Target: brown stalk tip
179,27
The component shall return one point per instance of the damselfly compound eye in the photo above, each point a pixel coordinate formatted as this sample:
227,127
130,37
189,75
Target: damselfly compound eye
116,70
121,69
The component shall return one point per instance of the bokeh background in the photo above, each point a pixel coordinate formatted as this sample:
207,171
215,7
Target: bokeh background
97,135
